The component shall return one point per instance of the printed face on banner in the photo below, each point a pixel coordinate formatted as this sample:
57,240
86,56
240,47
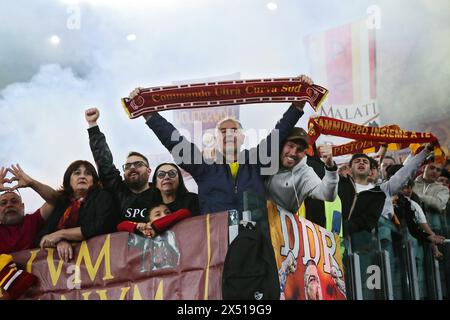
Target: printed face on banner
157,253
308,258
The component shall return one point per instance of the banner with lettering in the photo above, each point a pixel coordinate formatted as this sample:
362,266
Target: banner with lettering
343,59
368,138
185,262
308,257
214,94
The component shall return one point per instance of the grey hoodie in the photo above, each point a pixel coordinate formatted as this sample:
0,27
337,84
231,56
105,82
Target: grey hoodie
289,187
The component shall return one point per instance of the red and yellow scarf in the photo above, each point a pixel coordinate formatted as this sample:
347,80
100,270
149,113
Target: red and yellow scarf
70,216
370,139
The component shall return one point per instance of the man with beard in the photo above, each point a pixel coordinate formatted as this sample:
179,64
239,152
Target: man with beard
296,180
17,230
133,193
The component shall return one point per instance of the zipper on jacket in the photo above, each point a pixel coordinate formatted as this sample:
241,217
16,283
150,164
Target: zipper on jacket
353,206
355,197
235,182
234,179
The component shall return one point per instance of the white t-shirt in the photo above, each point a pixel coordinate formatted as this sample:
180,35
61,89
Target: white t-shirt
363,187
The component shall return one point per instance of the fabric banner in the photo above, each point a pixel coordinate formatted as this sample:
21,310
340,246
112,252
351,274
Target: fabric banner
366,147
185,262
368,136
214,94
308,257
344,60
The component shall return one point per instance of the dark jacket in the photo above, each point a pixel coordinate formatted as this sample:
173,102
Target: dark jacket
407,219
368,206
315,209
132,206
217,189
95,216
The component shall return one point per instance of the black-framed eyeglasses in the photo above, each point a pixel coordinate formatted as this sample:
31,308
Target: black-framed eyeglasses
171,173
136,164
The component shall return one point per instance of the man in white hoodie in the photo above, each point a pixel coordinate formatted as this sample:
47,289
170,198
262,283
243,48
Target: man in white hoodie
295,180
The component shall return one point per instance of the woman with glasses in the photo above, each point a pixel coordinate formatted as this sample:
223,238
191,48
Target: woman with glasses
170,189
170,193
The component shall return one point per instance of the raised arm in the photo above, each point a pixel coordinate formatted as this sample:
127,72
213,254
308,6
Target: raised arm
327,188
108,173
47,193
393,185
24,181
186,154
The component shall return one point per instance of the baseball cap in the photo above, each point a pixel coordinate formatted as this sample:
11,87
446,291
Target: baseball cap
298,134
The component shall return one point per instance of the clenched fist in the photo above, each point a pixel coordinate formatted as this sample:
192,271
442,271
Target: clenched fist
91,115
326,153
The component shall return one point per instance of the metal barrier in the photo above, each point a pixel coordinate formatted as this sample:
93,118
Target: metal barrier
406,269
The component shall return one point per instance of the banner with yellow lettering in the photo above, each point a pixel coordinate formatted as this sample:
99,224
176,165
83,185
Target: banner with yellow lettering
223,93
368,139
308,257
185,262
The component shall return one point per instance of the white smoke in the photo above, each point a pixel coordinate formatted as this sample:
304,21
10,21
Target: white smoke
44,89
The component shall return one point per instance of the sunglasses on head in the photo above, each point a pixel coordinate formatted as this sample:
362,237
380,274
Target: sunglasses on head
136,164
171,173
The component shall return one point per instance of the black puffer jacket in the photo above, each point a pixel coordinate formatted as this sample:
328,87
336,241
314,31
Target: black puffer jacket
367,206
132,207
96,215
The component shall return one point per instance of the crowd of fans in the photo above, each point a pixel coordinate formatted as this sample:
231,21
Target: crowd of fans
376,196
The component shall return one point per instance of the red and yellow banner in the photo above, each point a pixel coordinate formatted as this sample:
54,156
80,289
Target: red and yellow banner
368,139
308,257
184,263
214,94
343,59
